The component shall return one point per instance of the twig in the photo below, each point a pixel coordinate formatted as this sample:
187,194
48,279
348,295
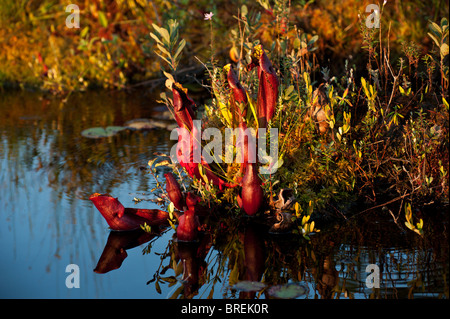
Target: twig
395,78
340,213
160,81
387,203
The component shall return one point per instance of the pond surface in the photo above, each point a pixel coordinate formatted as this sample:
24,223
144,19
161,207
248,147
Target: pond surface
48,170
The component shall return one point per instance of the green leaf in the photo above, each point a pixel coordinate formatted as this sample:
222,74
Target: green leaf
202,172
180,48
170,209
436,29
165,35
102,19
155,37
163,163
84,32
420,224
244,10
252,106
364,84
305,219
313,40
157,28
409,225
445,102
444,50
168,62
289,90
163,50
434,39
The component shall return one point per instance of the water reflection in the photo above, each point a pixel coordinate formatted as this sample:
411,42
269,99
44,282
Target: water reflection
115,253
248,262
48,171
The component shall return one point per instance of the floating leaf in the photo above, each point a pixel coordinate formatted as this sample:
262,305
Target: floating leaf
147,124
288,291
140,124
99,132
247,285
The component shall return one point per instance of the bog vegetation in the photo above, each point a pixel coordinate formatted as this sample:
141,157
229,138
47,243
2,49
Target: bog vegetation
362,113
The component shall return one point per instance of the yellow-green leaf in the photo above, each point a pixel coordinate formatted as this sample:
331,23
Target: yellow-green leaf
102,19
444,50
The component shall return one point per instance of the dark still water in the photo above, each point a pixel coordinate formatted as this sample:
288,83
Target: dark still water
48,169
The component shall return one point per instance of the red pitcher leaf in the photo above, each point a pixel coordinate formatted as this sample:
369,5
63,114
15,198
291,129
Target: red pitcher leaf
252,195
239,95
183,106
246,145
173,190
254,257
188,151
154,217
193,203
239,200
115,253
120,218
268,85
108,205
187,229
191,268
192,200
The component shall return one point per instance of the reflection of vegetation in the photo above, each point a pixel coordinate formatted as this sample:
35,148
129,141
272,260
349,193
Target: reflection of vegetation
232,254
49,138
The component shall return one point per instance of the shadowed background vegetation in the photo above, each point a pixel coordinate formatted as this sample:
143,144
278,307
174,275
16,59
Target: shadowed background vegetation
113,49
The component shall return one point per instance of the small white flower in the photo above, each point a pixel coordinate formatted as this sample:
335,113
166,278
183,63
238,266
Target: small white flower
384,2
208,16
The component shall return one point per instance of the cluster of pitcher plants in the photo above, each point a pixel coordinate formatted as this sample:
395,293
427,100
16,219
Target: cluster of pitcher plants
340,140
237,108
